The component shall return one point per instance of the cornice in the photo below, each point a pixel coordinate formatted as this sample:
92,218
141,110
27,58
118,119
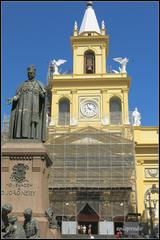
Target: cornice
146,128
89,38
93,83
146,145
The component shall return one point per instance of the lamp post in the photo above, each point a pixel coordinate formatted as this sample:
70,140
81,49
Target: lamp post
147,198
150,214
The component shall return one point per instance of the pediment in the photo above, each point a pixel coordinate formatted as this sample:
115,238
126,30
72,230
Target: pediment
87,140
88,135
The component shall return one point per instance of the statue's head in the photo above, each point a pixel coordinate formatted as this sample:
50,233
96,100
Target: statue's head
28,213
31,71
7,208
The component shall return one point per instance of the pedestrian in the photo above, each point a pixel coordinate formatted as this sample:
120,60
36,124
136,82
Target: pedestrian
79,229
118,234
84,229
89,229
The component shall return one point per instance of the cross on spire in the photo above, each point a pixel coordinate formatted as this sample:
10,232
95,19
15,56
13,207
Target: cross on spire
89,4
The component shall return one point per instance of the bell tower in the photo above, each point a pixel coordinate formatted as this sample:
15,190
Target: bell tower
90,96
89,44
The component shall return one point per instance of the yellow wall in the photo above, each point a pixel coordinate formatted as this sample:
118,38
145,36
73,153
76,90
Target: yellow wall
101,86
78,86
146,135
146,152
97,43
93,87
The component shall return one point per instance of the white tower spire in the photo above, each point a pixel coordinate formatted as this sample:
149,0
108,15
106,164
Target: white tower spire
89,22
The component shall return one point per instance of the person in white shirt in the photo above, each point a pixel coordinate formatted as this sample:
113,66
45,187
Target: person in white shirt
84,229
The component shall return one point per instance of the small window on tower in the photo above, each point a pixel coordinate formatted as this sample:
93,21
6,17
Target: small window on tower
115,111
64,111
89,62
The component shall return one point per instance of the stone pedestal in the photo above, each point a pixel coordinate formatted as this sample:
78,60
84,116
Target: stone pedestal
25,179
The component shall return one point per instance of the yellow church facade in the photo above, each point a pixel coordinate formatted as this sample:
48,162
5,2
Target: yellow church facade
147,164
93,97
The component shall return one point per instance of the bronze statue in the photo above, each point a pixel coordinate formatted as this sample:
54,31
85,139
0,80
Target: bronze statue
6,209
31,226
14,230
51,218
28,114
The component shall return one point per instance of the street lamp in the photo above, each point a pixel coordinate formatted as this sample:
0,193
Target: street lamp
147,198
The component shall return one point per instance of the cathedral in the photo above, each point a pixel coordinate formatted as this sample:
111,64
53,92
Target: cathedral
103,161
97,170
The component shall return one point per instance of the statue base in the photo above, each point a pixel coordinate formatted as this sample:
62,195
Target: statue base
25,179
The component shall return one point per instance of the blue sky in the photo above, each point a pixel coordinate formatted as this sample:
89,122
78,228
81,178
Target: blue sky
37,32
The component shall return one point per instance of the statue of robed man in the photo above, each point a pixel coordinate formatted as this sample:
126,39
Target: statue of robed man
28,113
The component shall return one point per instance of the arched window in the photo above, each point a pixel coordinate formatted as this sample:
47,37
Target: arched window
89,62
64,112
115,111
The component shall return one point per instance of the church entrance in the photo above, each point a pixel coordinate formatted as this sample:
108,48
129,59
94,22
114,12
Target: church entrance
86,217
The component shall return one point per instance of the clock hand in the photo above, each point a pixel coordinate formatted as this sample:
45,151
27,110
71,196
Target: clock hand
92,106
88,105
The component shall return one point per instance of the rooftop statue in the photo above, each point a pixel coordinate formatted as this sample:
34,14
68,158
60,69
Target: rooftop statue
56,64
123,62
28,113
136,117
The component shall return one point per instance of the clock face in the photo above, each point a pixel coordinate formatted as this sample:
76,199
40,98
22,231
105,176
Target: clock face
89,109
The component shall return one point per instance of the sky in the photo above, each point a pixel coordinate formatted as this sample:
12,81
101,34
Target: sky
36,32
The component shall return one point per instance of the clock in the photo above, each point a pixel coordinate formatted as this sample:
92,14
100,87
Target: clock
89,109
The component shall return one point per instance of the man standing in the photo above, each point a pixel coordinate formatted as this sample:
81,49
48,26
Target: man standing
89,229
84,229
28,114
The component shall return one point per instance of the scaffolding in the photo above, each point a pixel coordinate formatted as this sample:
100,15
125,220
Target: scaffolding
93,166
5,129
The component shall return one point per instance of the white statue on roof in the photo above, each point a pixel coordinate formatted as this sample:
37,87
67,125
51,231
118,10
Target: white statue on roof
123,62
105,121
136,117
56,64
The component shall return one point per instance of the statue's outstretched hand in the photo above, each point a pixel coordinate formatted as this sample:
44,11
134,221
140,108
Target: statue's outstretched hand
9,101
